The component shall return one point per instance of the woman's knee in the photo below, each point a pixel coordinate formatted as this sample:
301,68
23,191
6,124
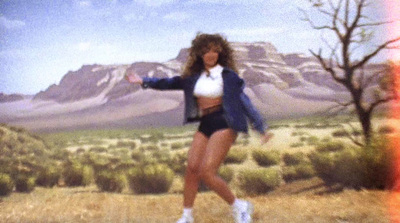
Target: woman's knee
207,174
193,168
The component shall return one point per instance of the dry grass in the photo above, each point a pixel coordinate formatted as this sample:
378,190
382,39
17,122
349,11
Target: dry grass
302,201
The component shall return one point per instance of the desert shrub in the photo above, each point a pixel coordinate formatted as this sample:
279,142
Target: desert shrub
266,157
177,145
297,172
296,144
379,162
226,173
356,167
178,163
137,156
149,147
236,155
386,129
130,144
312,140
324,165
98,149
110,181
349,167
345,133
330,146
6,184
76,174
155,179
25,183
162,156
291,159
259,181
48,176
340,133
98,162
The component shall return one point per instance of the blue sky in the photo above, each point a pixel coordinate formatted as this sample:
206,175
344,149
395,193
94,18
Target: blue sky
41,40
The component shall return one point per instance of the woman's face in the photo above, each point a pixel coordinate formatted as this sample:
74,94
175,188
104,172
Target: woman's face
210,56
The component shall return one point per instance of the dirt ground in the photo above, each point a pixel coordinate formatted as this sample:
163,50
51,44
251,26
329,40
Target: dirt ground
301,201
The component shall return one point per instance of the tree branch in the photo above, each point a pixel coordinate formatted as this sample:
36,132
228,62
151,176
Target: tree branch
375,52
327,68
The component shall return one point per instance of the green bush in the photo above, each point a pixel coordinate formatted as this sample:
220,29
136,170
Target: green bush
324,166
178,163
259,181
312,140
138,156
25,183
48,176
291,159
6,184
98,149
177,145
356,167
331,146
130,144
386,129
155,179
110,181
76,174
226,173
340,133
297,172
266,157
296,144
236,155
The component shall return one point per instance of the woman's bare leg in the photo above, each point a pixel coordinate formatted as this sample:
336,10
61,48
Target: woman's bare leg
217,148
192,178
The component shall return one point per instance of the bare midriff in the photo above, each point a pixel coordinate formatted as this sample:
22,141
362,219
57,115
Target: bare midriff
205,102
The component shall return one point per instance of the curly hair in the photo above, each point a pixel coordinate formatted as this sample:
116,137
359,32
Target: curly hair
200,45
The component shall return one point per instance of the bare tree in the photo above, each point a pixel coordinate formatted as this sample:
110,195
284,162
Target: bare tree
352,30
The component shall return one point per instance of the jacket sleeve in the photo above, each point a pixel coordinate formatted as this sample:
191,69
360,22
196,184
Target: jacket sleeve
173,83
252,113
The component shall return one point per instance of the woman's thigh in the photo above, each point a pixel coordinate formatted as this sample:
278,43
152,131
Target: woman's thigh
197,151
218,146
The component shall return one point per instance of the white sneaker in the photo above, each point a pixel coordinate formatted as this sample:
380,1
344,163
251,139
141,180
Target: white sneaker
185,219
243,214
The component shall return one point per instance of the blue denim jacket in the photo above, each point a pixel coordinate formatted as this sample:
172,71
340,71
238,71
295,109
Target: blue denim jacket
236,104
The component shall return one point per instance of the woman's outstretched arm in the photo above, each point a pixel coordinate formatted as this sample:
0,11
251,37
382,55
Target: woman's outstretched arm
173,83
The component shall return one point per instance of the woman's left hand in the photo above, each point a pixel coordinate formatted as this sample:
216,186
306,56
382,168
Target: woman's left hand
266,137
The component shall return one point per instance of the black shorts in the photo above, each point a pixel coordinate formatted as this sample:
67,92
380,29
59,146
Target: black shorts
212,122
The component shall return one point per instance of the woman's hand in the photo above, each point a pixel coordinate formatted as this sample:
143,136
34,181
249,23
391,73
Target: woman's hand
266,137
133,78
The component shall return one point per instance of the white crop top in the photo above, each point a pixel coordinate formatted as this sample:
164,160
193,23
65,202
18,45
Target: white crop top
210,86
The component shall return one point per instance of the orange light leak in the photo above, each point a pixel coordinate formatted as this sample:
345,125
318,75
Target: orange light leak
393,31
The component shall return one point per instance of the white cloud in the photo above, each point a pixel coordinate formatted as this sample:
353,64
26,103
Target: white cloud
154,3
84,3
11,24
177,16
83,46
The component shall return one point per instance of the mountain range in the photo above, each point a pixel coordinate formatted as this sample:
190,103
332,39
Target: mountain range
98,96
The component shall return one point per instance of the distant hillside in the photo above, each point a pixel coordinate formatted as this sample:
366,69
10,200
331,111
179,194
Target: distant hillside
98,96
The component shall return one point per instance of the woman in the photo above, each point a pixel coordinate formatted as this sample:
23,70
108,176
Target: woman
213,94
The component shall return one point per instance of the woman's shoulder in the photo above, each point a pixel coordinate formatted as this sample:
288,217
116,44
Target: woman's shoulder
228,73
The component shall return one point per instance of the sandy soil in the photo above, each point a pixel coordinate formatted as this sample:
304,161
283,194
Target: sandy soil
301,201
